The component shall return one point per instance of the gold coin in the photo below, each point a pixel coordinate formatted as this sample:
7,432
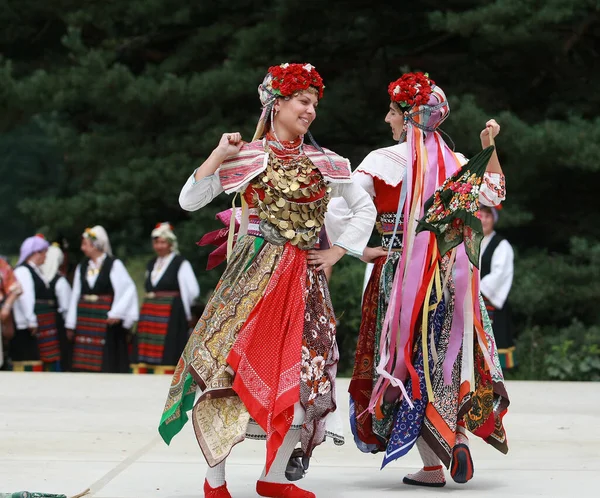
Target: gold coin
280,202
306,237
273,207
283,224
267,199
289,234
295,217
294,186
310,223
262,215
285,215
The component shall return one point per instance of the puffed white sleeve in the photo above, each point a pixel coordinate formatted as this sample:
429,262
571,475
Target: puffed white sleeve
71,319
196,194
497,283
63,296
24,306
188,287
125,302
357,228
493,186
339,214
493,189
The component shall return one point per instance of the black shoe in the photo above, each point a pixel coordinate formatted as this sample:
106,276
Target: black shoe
462,464
295,469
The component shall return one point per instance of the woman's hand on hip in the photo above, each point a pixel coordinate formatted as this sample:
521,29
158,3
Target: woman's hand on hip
325,258
370,254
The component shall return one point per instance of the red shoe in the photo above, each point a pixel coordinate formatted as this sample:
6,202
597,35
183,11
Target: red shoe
462,464
275,490
220,492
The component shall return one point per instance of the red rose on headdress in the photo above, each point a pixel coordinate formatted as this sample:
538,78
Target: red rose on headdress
291,78
411,89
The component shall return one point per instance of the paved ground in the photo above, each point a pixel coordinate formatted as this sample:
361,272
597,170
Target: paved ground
67,432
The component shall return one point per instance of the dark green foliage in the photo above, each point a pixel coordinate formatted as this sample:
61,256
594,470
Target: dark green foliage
107,107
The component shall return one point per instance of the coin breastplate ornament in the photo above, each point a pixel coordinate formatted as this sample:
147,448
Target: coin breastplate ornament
291,197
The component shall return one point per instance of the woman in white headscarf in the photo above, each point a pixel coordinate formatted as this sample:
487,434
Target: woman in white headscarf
171,288
104,307
62,290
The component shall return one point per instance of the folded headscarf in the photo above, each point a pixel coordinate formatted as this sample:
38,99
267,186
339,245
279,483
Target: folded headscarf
30,246
54,258
99,238
165,231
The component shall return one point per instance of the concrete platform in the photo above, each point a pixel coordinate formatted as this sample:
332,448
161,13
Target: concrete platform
67,432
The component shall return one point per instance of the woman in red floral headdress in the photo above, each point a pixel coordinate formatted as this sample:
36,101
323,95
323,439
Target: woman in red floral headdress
425,332
262,358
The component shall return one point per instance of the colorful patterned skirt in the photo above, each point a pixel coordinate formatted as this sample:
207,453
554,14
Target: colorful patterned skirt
47,333
39,352
369,433
156,318
270,322
98,347
397,425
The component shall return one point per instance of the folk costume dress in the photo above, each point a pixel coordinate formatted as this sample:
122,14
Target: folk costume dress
266,340
102,289
62,290
35,308
162,331
496,280
407,383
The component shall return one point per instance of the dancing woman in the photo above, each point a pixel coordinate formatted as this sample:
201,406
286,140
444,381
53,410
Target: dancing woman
264,348
422,338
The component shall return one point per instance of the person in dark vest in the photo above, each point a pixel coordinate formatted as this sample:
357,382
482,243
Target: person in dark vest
171,288
51,269
496,266
104,307
35,345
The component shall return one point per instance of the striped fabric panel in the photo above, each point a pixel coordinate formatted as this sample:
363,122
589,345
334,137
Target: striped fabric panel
47,333
90,335
252,159
152,328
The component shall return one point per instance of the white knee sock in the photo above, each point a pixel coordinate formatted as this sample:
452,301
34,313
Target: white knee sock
430,459
461,435
277,471
216,475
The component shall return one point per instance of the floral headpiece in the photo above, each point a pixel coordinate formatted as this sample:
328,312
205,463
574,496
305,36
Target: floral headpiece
287,79
89,233
411,89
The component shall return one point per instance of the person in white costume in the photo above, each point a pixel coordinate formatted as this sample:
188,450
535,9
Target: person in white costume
103,309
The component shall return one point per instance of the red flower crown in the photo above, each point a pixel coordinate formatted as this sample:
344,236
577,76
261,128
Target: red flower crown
411,89
291,78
